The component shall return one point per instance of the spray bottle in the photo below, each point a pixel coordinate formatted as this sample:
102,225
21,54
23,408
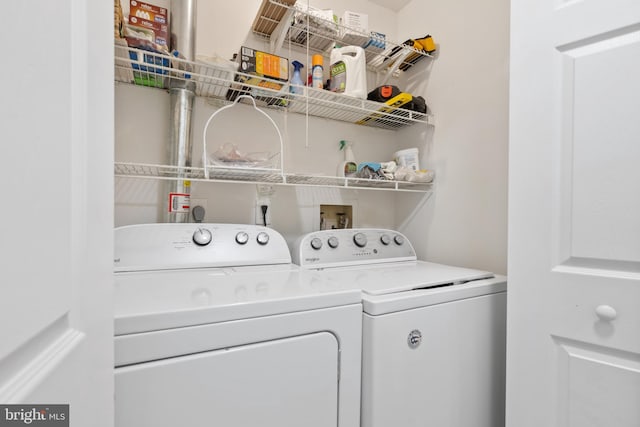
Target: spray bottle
296,80
348,167
317,72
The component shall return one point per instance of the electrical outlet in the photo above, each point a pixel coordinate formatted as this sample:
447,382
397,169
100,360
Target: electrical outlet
261,219
197,202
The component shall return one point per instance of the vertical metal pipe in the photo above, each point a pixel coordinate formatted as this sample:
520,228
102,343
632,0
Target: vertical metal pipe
182,96
183,28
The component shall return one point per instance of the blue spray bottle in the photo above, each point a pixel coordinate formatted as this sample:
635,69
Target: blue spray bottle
296,80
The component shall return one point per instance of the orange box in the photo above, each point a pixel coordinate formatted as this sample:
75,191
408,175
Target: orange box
156,10
263,64
255,68
149,16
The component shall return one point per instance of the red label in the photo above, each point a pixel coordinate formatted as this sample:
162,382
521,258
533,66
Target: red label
179,202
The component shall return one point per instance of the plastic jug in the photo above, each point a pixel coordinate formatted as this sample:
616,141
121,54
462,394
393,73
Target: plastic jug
349,71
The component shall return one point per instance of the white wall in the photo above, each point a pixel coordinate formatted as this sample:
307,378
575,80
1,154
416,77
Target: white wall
295,210
463,223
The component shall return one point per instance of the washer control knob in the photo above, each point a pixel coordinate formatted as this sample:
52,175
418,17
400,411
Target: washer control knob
316,243
263,238
399,240
202,237
333,242
242,238
385,239
360,240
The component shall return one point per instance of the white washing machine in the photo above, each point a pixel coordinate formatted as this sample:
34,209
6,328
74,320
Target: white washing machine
433,335
215,327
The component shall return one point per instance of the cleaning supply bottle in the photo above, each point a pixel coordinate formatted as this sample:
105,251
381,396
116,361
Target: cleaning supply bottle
296,81
317,72
348,167
349,71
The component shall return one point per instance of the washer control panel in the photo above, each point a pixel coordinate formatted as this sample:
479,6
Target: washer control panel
176,246
330,248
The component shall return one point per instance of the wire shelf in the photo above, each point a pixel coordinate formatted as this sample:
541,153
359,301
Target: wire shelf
135,66
261,176
281,21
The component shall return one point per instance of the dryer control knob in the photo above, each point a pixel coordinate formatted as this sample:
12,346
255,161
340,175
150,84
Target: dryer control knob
316,243
360,240
333,242
399,240
263,238
242,238
202,237
385,239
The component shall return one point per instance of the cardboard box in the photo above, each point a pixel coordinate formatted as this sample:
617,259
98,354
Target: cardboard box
156,10
263,64
376,44
356,21
355,28
149,16
159,32
256,67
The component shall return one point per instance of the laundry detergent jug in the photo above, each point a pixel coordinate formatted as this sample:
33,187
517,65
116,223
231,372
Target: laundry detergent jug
349,71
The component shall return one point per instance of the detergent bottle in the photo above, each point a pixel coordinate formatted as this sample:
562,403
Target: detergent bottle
349,71
296,81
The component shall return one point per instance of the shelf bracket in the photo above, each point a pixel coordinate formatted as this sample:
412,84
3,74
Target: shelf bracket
393,69
279,34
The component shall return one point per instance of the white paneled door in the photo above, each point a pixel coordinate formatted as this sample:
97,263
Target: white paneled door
573,347
56,227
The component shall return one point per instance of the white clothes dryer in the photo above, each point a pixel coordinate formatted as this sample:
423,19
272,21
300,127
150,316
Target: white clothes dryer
433,335
215,327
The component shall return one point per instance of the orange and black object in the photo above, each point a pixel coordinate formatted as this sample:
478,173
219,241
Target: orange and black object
383,93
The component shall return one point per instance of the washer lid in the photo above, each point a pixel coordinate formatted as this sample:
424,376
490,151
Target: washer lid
398,286
149,301
394,277
376,305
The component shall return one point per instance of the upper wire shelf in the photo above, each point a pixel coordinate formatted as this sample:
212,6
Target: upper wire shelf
283,21
135,66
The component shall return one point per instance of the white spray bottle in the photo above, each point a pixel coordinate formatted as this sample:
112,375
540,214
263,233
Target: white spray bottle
348,167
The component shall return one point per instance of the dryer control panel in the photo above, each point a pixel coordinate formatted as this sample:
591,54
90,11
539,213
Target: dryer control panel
147,247
344,247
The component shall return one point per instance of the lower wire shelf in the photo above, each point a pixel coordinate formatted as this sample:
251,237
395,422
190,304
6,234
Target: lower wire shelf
261,176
